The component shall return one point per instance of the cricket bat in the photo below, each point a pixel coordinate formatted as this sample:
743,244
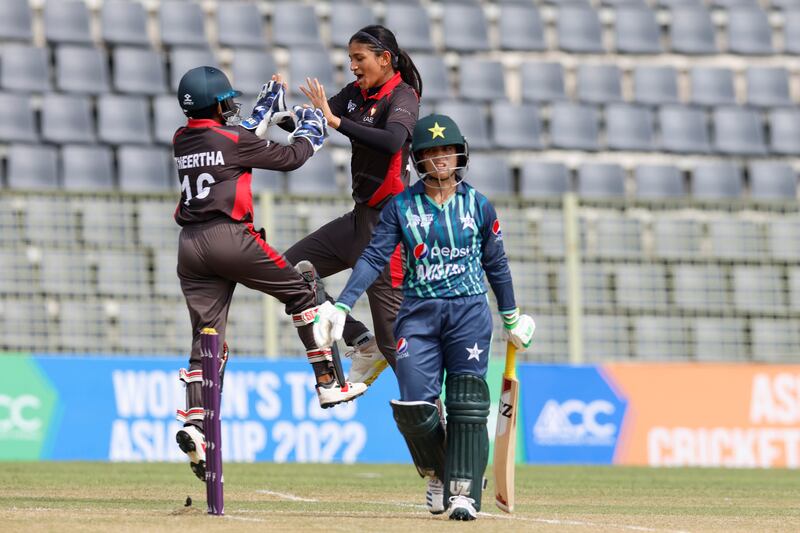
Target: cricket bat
505,440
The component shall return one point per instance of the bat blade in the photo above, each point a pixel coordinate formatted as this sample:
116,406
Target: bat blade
505,441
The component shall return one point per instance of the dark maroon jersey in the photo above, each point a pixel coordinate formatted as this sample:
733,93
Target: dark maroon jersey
377,176
215,164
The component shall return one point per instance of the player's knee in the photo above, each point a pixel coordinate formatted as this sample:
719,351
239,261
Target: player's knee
467,398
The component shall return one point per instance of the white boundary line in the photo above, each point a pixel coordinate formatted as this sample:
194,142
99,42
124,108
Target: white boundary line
286,496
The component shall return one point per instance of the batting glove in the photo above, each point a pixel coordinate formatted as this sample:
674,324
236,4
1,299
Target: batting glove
329,323
519,328
270,108
311,125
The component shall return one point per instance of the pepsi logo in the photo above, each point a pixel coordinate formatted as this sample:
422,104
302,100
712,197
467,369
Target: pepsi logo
496,228
402,346
421,251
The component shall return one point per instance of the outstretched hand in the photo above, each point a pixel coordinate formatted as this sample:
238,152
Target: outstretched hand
315,92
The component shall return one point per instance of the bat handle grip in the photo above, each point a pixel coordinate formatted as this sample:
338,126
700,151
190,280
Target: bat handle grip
511,356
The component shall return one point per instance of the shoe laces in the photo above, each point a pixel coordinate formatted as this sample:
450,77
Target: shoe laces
453,499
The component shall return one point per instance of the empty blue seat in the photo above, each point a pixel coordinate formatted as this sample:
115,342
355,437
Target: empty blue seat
183,59
182,24
629,127
658,181
32,166
316,176
18,125
411,27
543,179
768,86
295,25
712,86
240,24
599,84
716,181
465,28
791,30
67,119
146,168
81,69
574,126
738,131
138,71
684,129
601,180
268,180
482,79
655,85
471,120
250,70
516,127
310,62
521,28
771,180
24,68
435,82
67,21
636,30
123,119
167,116
579,29
346,19
490,174
542,82
784,127
124,22
691,30
15,20
87,167
749,31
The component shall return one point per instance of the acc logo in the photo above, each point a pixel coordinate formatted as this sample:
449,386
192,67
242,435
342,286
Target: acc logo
402,347
421,251
351,106
16,414
575,423
187,99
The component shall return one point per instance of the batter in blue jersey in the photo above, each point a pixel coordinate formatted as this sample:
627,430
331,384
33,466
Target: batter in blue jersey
453,241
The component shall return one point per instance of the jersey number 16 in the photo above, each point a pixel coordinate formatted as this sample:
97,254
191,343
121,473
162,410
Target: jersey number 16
202,187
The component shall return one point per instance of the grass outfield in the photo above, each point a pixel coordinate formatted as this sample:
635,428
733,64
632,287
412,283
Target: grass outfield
361,498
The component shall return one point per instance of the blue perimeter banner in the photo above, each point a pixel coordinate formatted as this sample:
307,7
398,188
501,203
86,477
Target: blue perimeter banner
123,409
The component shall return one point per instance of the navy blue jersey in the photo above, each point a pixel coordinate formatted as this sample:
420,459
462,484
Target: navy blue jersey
449,248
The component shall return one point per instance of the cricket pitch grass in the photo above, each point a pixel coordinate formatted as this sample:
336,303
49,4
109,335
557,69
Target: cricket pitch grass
361,498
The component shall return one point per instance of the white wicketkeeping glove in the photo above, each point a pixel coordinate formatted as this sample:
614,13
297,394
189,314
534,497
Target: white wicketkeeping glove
270,108
329,323
519,328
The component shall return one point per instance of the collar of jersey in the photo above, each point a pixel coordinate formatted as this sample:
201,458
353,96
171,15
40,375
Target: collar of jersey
386,88
419,188
203,123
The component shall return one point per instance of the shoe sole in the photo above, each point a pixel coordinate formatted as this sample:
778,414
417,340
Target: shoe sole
186,444
380,365
462,515
334,404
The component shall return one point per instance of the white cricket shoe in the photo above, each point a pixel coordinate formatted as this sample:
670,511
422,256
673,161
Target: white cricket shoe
461,508
331,394
368,362
192,442
434,496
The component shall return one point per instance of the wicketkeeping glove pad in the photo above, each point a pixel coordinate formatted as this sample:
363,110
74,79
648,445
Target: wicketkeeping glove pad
270,108
311,125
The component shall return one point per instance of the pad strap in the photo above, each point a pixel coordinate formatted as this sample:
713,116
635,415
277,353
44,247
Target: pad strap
317,355
190,376
195,413
304,318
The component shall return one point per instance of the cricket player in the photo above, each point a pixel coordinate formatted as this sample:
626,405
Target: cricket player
219,246
377,112
453,238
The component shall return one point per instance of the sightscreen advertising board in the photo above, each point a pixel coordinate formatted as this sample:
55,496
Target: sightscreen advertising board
725,415
116,408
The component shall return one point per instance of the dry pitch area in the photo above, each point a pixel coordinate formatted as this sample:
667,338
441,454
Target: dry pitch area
361,498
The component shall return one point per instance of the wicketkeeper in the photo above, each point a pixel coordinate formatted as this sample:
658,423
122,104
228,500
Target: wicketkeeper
453,238
219,246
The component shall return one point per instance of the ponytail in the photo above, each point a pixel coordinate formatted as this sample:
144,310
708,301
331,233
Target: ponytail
381,39
408,71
